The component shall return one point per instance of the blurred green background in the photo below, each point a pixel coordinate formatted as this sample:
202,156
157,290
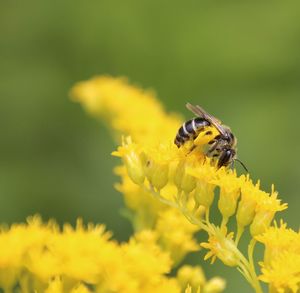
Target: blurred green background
238,59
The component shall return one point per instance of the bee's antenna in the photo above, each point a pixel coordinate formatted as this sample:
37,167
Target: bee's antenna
242,165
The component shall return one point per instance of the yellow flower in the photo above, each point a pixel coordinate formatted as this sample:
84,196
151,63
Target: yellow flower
189,289
193,279
157,165
176,234
277,240
77,249
283,274
221,247
184,180
205,186
143,208
192,276
230,186
143,252
133,160
55,286
127,109
265,211
54,260
215,285
16,243
80,289
250,197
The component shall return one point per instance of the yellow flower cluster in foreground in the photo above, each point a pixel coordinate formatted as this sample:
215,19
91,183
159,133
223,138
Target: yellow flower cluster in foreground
161,184
37,257
281,265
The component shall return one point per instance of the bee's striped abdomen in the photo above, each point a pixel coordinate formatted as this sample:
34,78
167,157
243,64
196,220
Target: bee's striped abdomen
190,129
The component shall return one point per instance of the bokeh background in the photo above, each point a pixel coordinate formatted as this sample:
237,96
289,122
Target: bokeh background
238,59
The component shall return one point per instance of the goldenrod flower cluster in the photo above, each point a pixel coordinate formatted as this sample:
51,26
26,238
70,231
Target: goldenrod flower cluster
171,191
43,257
37,257
281,265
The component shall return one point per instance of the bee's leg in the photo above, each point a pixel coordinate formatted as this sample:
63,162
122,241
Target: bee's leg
213,147
191,149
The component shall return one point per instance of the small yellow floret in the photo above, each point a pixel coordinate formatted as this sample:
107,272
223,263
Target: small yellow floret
133,160
55,286
266,208
277,240
176,234
80,289
230,186
192,276
250,197
205,186
221,247
215,285
283,274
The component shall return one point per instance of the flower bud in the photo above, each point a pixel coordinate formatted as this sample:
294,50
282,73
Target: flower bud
204,193
134,165
183,180
251,195
261,222
226,253
215,285
157,174
228,201
266,208
245,212
222,247
193,276
133,159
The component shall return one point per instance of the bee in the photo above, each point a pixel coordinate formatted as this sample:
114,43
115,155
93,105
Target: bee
222,147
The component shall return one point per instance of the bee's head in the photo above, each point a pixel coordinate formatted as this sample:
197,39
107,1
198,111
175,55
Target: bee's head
227,156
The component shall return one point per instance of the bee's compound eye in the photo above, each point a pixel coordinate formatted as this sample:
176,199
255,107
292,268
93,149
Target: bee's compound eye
226,157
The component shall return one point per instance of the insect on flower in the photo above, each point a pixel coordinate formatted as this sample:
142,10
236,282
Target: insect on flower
221,147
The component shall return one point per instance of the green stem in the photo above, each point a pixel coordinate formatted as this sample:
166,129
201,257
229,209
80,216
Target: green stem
246,264
224,223
250,253
207,215
196,207
161,199
192,219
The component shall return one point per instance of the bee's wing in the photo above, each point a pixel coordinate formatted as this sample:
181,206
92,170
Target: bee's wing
197,110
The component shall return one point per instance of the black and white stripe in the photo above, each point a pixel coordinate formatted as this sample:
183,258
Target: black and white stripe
190,129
